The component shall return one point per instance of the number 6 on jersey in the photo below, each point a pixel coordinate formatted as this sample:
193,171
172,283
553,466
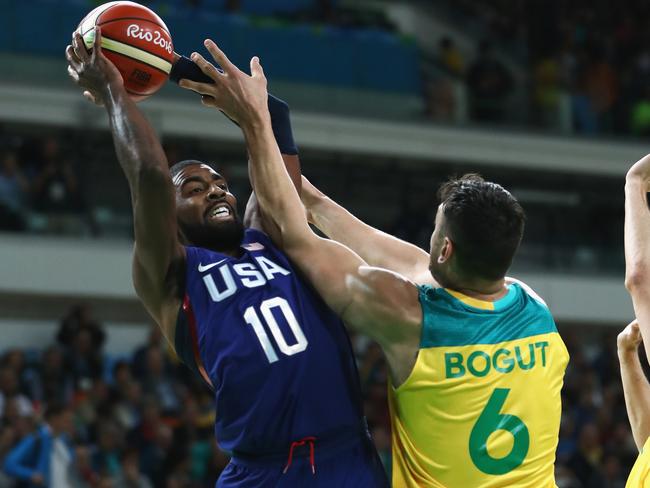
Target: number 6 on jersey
253,319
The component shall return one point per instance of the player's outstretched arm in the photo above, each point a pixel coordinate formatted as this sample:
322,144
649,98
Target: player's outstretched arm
375,247
635,384
157,249
637,244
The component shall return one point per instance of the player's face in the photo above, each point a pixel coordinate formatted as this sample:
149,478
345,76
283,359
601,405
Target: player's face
440,251
206,210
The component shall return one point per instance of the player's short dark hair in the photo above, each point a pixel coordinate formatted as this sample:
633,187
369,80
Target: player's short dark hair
485,223
181,165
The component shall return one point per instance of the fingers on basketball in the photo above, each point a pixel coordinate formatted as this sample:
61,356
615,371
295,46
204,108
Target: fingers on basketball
73,74
79,48
72,58
97,45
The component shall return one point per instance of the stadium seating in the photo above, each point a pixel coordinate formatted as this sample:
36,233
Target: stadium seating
303,53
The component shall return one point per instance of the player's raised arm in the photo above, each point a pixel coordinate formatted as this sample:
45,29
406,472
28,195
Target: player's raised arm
637,244
157,249
635,384
375,247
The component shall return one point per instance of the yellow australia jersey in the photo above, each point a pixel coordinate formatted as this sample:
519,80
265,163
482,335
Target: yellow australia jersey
482,406
640,474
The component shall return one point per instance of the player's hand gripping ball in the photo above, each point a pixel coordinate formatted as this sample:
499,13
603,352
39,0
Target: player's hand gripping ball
136,41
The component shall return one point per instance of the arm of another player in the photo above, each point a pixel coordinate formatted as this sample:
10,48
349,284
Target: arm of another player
282,132
254,217
375,247
637,244
157,249
635,384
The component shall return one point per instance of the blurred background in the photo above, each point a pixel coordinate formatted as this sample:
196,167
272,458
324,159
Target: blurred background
389,98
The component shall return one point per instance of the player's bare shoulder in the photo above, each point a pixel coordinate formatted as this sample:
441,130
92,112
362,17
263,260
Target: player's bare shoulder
385,305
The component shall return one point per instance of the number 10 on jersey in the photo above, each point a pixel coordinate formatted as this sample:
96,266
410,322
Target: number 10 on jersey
252,318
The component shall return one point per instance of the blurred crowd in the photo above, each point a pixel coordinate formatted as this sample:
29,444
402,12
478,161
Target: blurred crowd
142,420
581,66
38,179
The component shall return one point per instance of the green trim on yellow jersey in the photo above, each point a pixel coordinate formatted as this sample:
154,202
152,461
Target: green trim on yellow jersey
450,318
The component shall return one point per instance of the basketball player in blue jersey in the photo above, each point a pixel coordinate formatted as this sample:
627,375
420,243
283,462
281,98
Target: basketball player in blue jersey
278,359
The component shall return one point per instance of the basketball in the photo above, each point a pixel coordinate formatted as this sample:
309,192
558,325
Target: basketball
136,40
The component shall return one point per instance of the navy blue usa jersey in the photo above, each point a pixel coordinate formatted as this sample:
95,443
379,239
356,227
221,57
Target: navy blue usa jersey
277,357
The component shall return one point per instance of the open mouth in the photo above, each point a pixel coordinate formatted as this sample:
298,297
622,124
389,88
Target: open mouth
221,211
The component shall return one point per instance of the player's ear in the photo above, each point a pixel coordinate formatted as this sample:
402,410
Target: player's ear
446,251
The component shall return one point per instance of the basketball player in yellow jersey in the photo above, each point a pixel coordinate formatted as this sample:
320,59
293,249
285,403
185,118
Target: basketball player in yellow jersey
637,281
481,406
476,364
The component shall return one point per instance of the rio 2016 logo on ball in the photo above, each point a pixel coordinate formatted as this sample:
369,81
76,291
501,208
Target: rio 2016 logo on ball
136,40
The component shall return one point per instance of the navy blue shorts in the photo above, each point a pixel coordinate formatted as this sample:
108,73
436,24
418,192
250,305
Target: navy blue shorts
355,466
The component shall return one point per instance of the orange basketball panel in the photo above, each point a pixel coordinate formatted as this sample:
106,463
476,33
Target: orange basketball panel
139,78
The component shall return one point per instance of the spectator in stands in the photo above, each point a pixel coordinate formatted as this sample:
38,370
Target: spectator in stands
56,188
601,86
106,457
158,385
450,57
83,359
45,457
14,190
440,99
155,340
489,83
49,380
78,317
585,463
547,91
127,400
130,475
14,359
9,390
640,115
